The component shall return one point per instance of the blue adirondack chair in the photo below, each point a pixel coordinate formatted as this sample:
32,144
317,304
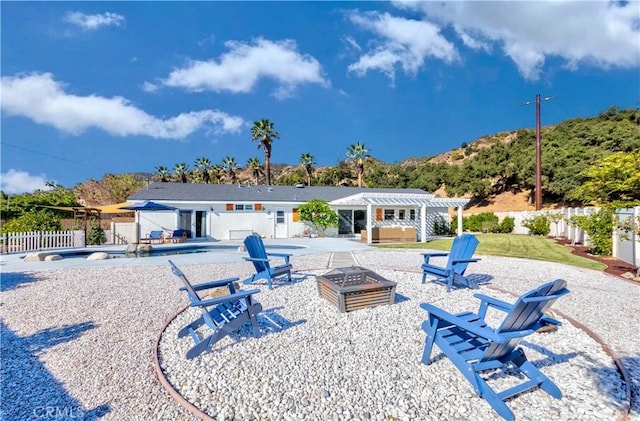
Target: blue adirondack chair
154,237
261,261
474,347
222,315
460,254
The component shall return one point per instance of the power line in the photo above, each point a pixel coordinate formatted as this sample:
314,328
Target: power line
51,156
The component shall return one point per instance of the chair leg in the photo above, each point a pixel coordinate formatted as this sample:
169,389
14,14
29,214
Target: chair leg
430,329
494,400
545,382
424,277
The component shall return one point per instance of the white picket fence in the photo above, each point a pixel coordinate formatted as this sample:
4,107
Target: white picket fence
17,242
626,246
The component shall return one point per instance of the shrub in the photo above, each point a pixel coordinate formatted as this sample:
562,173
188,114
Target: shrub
95,234
507,225
442,227
538,225
599,228
480,221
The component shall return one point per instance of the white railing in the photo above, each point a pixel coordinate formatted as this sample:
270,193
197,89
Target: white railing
16,242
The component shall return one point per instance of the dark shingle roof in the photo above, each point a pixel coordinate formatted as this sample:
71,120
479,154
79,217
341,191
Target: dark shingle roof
234,193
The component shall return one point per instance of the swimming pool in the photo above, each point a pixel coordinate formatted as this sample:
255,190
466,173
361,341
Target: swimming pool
165,250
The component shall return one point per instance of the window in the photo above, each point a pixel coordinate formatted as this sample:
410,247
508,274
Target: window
229,206
412,214
378,214
401,214
295,216
258,206
240,207
279,217
389,214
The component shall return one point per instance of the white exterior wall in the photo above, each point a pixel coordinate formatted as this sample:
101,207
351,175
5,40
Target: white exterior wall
156,220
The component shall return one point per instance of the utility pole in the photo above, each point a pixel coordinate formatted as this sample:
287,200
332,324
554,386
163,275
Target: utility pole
538,149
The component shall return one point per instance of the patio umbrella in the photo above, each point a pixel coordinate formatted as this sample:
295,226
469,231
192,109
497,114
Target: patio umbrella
149,206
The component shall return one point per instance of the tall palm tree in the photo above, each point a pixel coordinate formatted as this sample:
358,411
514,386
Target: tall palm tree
181,170
264,133
230,165
307,160
255,166
162,172
203,165
217,172
357,154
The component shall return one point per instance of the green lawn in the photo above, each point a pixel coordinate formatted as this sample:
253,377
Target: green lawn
512,245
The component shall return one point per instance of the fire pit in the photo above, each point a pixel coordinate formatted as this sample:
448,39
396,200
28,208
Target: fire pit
355,287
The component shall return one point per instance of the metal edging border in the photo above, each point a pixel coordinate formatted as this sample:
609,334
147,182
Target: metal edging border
194,410
624,412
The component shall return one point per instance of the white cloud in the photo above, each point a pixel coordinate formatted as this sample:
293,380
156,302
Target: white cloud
239,70
404,42
16,182
91,22
39,97
600,33
149,87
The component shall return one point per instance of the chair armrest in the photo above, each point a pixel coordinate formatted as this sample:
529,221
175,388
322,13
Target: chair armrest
485,332
282,255
255,259
225,299
426,256
454,262
486,301
214,284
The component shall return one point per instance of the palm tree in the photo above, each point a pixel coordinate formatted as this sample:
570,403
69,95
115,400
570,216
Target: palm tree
203,165
357,154
162,172
181,170
217,172
307,160
264,132
255,166
230,165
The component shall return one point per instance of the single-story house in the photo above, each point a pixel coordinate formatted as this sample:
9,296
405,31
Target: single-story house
229,212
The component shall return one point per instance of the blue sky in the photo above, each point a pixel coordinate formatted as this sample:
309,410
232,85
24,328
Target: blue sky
90,88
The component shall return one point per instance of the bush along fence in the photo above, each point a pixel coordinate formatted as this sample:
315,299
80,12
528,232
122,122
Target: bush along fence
604,230
16,242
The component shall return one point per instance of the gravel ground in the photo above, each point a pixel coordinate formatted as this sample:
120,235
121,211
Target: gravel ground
77,343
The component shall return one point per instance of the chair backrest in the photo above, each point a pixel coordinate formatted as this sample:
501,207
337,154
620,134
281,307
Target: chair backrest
526,314
156,234
462,247
193,295
255,248
179,233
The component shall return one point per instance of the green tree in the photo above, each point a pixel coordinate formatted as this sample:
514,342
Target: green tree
230,165
357,153
264,132
615,177
181,170
33,220
203,166
255,166
218,172
162,173
307,161
319,215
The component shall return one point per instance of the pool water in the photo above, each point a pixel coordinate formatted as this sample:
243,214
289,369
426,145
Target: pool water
170,250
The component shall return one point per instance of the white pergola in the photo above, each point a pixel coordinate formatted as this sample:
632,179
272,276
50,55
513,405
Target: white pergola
423,201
